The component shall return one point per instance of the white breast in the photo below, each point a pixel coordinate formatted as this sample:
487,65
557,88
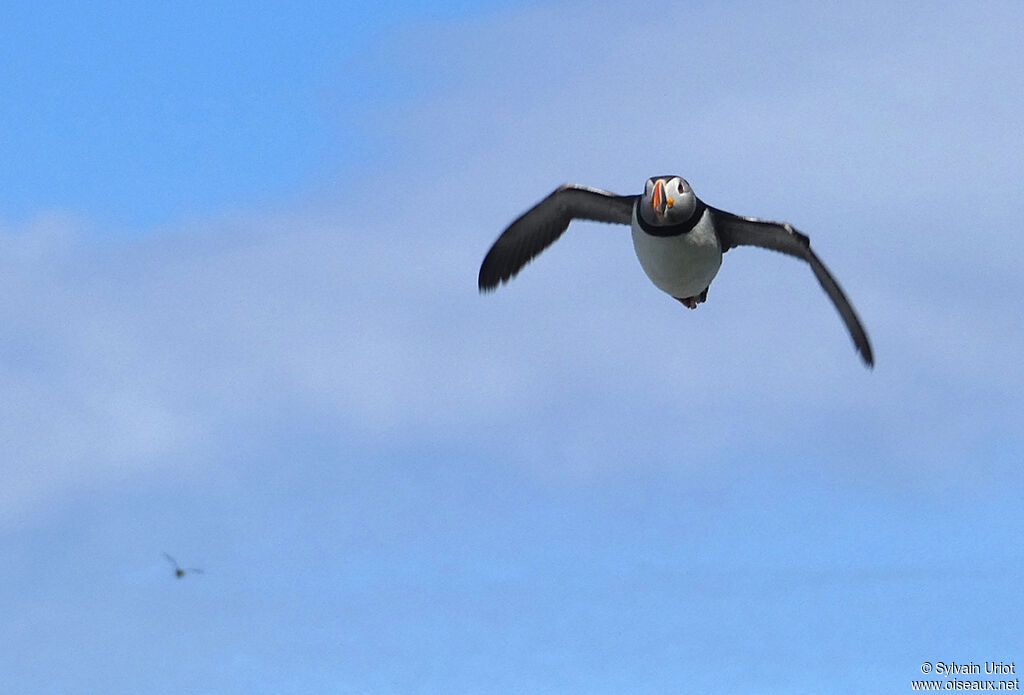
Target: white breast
681,265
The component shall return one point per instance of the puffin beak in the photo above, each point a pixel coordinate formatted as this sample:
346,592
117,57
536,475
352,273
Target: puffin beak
658,199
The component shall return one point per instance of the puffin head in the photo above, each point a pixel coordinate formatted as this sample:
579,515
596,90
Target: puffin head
667,200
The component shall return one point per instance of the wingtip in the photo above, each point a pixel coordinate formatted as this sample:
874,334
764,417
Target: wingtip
486,285
869,360
489,279
866,354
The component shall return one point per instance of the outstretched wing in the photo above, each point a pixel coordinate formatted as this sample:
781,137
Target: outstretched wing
171,560
539,226
734,230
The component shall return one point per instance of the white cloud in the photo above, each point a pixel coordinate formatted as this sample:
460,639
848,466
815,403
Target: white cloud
134,355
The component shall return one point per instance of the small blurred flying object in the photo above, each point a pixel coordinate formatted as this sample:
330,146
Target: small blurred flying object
180,571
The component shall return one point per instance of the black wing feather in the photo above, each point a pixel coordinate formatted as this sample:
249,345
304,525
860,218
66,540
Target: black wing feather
542,224
734,230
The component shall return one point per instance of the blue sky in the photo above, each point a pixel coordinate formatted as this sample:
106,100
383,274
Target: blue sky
238,255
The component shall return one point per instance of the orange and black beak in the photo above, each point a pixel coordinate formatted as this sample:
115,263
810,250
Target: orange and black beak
659,201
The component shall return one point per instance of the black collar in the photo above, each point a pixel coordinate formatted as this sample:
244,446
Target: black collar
670,229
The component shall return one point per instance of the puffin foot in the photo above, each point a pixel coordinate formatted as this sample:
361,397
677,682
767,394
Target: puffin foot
692,302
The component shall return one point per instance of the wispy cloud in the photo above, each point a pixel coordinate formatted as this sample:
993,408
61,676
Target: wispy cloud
361,306
397,484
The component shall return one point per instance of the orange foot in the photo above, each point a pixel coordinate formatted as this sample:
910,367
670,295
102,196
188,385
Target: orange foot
692,302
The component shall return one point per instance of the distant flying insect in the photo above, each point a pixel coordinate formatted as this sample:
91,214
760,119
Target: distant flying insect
180,571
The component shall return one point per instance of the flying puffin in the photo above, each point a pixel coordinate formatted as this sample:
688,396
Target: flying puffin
678,239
